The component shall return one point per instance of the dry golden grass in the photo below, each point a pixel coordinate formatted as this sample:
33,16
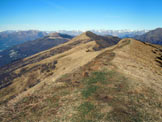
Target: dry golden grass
119,83
138,60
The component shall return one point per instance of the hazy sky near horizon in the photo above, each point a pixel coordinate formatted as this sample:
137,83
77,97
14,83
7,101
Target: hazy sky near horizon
80,14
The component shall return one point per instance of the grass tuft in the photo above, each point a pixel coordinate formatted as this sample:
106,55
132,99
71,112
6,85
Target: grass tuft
85,108
89,91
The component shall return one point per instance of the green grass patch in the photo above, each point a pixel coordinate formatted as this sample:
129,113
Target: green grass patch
90,84
86,108
96,77
110,89
89,90
87,112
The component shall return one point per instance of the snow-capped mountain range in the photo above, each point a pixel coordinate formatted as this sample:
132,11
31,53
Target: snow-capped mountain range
119,33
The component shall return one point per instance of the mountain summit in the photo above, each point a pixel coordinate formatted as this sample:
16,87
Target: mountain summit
86,36
90,34
101,41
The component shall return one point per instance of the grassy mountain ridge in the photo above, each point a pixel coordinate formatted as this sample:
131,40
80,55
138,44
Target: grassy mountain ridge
77,83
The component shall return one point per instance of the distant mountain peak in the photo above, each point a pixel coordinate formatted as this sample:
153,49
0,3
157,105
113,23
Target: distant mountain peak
89,32
60,35
153,36
88,35
101,41
158,29
54,34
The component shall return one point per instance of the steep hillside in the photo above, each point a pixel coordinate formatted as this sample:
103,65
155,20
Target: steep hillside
32,47
74,82
154,36
11,38
8,72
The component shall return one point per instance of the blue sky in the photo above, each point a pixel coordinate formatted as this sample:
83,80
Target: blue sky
80,14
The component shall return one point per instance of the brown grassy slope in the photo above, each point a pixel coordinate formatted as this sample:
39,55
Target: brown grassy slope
114,92
7,73
140,60
26,73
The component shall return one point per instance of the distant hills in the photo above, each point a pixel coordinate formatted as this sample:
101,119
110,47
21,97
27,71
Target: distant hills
24,47
15,45
11,38
154,36
54,39
119,33
31,47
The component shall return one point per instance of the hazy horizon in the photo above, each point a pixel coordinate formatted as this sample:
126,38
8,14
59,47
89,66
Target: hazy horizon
80,30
